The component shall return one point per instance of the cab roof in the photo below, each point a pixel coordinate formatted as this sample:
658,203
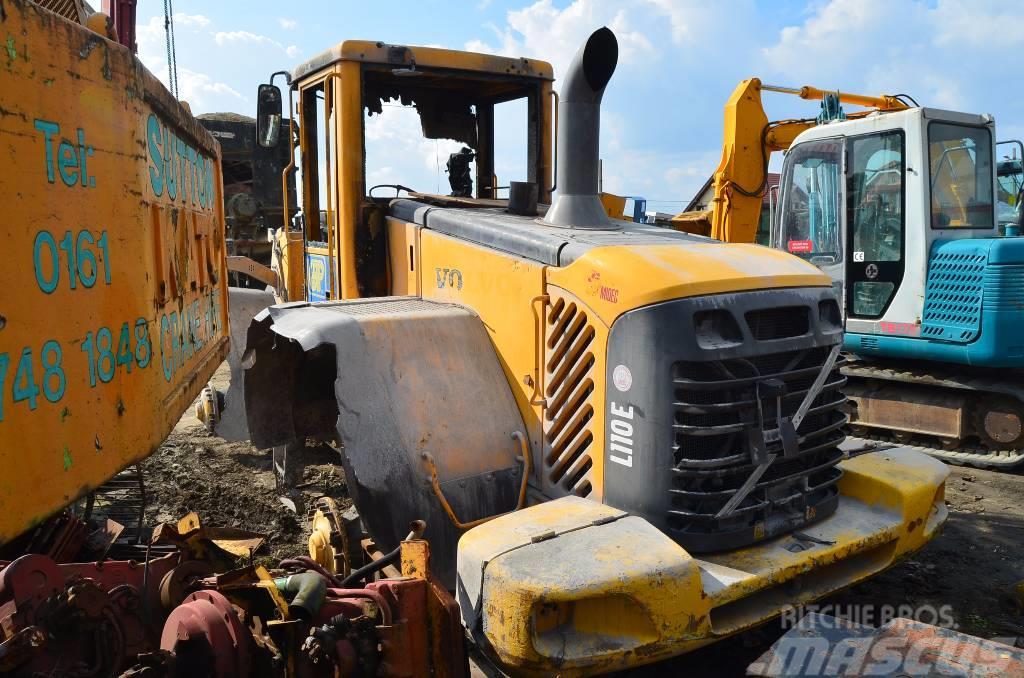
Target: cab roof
405,56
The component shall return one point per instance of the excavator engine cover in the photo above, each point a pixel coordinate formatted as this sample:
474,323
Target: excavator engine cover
409,387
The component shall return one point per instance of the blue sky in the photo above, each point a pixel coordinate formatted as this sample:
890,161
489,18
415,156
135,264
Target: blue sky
679,60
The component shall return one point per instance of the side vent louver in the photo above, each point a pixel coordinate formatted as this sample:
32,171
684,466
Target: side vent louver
569,391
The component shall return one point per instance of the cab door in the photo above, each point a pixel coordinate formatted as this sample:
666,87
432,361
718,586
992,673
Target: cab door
318,136
810,217
875,222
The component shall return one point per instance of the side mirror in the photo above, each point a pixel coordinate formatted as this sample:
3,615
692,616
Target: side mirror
268,115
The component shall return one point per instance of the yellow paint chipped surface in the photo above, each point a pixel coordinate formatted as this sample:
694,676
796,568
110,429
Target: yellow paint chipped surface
114,246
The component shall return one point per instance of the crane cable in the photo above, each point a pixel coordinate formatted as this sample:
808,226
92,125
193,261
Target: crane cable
172,57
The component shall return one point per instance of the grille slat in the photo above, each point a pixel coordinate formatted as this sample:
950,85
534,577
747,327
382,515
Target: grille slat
715,413
569,387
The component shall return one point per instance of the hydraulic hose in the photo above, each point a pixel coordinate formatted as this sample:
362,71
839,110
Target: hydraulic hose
307,591
416,531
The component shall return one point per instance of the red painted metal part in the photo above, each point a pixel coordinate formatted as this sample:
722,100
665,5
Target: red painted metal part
122,12
205,633
103,616
98,615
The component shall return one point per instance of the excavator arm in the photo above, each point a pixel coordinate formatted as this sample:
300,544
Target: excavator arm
749,140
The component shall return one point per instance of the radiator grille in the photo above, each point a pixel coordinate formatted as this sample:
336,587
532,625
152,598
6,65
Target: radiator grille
778,323
953,292
569,389
1004,288
715,414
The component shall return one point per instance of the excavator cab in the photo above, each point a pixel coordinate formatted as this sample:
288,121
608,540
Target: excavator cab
909,212
870,200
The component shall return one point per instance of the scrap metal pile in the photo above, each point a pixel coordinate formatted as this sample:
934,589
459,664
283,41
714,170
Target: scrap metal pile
189,609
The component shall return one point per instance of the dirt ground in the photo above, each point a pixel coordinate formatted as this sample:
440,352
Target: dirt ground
964,575
232,485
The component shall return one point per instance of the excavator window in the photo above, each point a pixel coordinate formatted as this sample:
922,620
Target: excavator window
876,196
875,168
1010,180
960,159
811,199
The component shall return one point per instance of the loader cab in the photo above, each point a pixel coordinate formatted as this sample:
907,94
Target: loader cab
444,110
867,199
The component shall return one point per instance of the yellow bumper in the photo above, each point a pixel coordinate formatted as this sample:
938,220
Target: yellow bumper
577,587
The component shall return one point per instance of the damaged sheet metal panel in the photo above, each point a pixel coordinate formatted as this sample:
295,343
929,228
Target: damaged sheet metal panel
405,384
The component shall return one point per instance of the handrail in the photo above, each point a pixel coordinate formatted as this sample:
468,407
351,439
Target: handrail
439,493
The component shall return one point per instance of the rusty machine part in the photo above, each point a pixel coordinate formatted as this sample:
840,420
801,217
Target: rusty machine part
173,616
336,536
304,624
953,415
76,619
253,192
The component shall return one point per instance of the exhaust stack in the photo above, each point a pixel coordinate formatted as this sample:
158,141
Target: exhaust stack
579,125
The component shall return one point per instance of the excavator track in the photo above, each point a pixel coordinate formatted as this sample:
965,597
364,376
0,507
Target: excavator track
972,451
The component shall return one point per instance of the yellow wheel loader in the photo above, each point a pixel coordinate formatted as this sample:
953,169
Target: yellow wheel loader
626,441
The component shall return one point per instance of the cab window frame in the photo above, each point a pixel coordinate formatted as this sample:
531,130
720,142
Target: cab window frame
990,146
890,272
785,195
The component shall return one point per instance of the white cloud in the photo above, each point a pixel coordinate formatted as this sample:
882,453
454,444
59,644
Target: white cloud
288,24
245,37
225,37
197,20
691,20
944,54
398,153
837,36
151,36
198,89
193,86
543,31
982,23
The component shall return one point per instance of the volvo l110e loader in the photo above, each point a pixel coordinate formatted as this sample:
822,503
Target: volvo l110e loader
897,204
625,440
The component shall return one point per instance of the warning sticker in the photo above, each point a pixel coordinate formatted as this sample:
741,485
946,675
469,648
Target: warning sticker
800,246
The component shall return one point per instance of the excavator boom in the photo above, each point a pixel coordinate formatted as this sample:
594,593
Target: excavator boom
749,139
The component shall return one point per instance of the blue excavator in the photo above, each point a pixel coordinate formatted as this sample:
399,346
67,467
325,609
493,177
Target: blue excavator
912,214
